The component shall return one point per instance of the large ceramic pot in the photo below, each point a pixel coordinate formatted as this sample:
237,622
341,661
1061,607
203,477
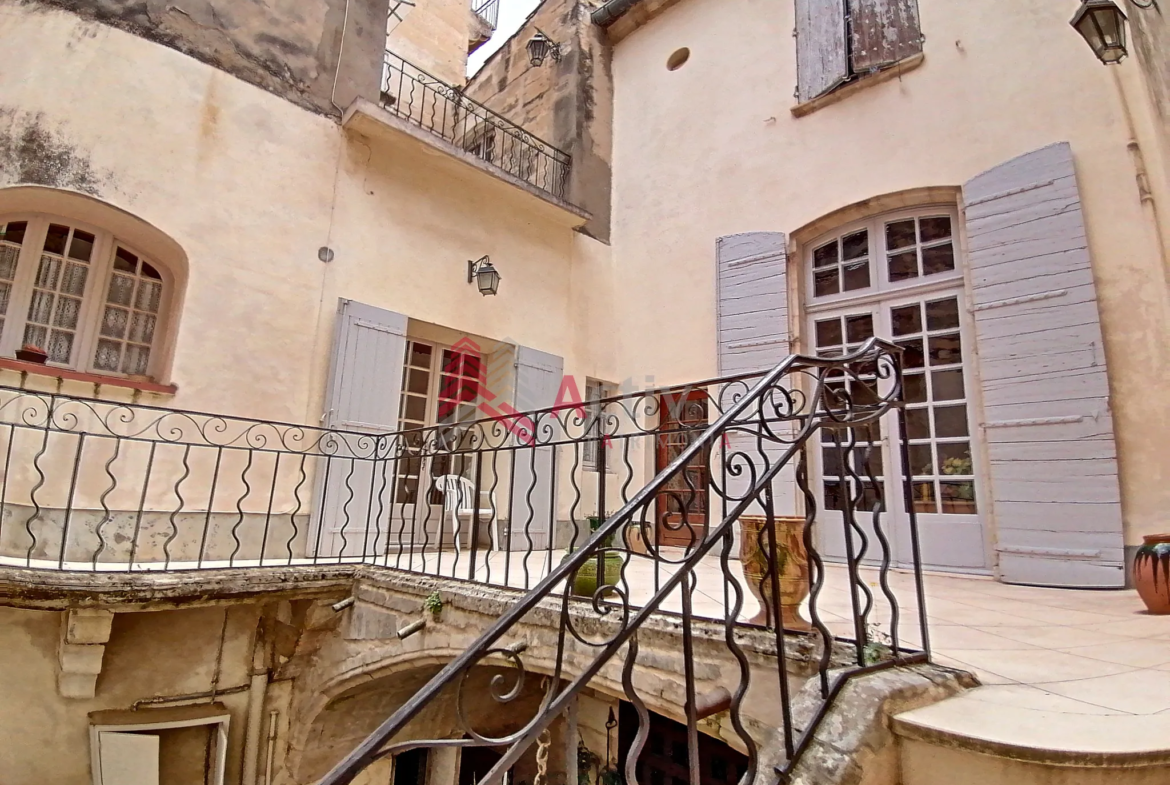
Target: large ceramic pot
585,582
1151,573
793,567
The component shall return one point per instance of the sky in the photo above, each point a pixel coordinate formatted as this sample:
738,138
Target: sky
512,15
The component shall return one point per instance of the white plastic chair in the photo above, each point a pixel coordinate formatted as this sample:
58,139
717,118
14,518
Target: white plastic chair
458,498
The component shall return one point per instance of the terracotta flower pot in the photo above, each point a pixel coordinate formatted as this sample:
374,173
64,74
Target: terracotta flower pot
1151,573
793,568
32,356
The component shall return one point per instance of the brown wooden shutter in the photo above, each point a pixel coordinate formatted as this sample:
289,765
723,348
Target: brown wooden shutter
1047,422
821,59
884,32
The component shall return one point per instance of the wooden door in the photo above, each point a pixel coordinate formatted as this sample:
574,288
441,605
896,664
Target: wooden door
682,504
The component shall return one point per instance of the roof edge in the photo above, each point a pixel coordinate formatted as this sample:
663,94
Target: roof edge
612,11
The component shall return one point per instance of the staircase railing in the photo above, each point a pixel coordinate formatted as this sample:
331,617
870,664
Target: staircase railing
838,406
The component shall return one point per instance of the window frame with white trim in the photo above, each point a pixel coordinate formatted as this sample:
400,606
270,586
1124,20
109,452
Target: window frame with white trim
908,256
92,301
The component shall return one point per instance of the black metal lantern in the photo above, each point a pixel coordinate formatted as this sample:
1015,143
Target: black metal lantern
541,46
486,278
1102,24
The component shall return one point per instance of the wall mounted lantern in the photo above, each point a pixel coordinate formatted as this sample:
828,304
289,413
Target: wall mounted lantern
484,275
541,46
1102,24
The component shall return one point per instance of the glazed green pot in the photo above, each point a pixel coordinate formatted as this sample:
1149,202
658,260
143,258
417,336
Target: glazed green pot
1151,573
585,582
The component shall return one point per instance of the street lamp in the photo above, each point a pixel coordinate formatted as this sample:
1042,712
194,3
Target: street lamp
541,46
486,279
1102,24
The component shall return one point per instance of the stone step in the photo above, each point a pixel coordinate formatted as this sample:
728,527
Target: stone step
967,740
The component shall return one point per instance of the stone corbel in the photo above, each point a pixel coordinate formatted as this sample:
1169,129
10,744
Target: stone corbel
84,635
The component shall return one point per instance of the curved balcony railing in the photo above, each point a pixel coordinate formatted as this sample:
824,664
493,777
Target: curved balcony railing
443,110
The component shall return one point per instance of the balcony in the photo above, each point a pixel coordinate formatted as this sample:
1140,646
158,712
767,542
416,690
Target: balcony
487,139
488,11
484,16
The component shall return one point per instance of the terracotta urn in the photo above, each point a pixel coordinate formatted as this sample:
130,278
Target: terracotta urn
793,568
1151,573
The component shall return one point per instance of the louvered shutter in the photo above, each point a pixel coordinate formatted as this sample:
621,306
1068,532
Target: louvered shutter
752,312
752,285
822,62
884,32
532,513
365,383
1048,426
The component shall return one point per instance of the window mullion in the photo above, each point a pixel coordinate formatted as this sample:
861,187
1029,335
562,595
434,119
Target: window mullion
93,302
22,286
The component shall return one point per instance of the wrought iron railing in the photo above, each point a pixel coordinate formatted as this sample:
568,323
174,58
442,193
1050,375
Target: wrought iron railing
488,11
763,428
443,110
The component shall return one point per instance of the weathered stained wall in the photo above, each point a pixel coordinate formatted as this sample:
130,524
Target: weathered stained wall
251,187
433,36
149,655
292,48
1151,40
568,103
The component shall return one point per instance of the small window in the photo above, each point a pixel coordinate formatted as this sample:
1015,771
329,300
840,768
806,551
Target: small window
593,449
80,296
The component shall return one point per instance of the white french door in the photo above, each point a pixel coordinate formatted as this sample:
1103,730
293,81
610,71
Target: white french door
930,329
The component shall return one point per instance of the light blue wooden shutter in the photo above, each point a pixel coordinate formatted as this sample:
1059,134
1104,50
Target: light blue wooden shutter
752,285
822,62
753,335
364,387
532,514
1048,426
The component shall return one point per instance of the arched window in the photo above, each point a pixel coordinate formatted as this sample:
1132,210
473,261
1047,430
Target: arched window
86,298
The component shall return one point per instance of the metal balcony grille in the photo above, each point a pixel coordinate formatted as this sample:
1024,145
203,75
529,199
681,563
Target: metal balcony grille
443,110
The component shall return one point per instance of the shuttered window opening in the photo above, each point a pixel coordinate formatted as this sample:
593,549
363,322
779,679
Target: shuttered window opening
841,40
440,385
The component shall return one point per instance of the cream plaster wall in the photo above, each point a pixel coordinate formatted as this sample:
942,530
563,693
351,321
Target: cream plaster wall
163,653
250,187
712,149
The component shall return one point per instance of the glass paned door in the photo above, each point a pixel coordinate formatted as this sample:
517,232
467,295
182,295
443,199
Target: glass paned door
850,462
682,504
938,427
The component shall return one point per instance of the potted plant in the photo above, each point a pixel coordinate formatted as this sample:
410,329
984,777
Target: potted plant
585,579
793,567
1151,573
31,353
